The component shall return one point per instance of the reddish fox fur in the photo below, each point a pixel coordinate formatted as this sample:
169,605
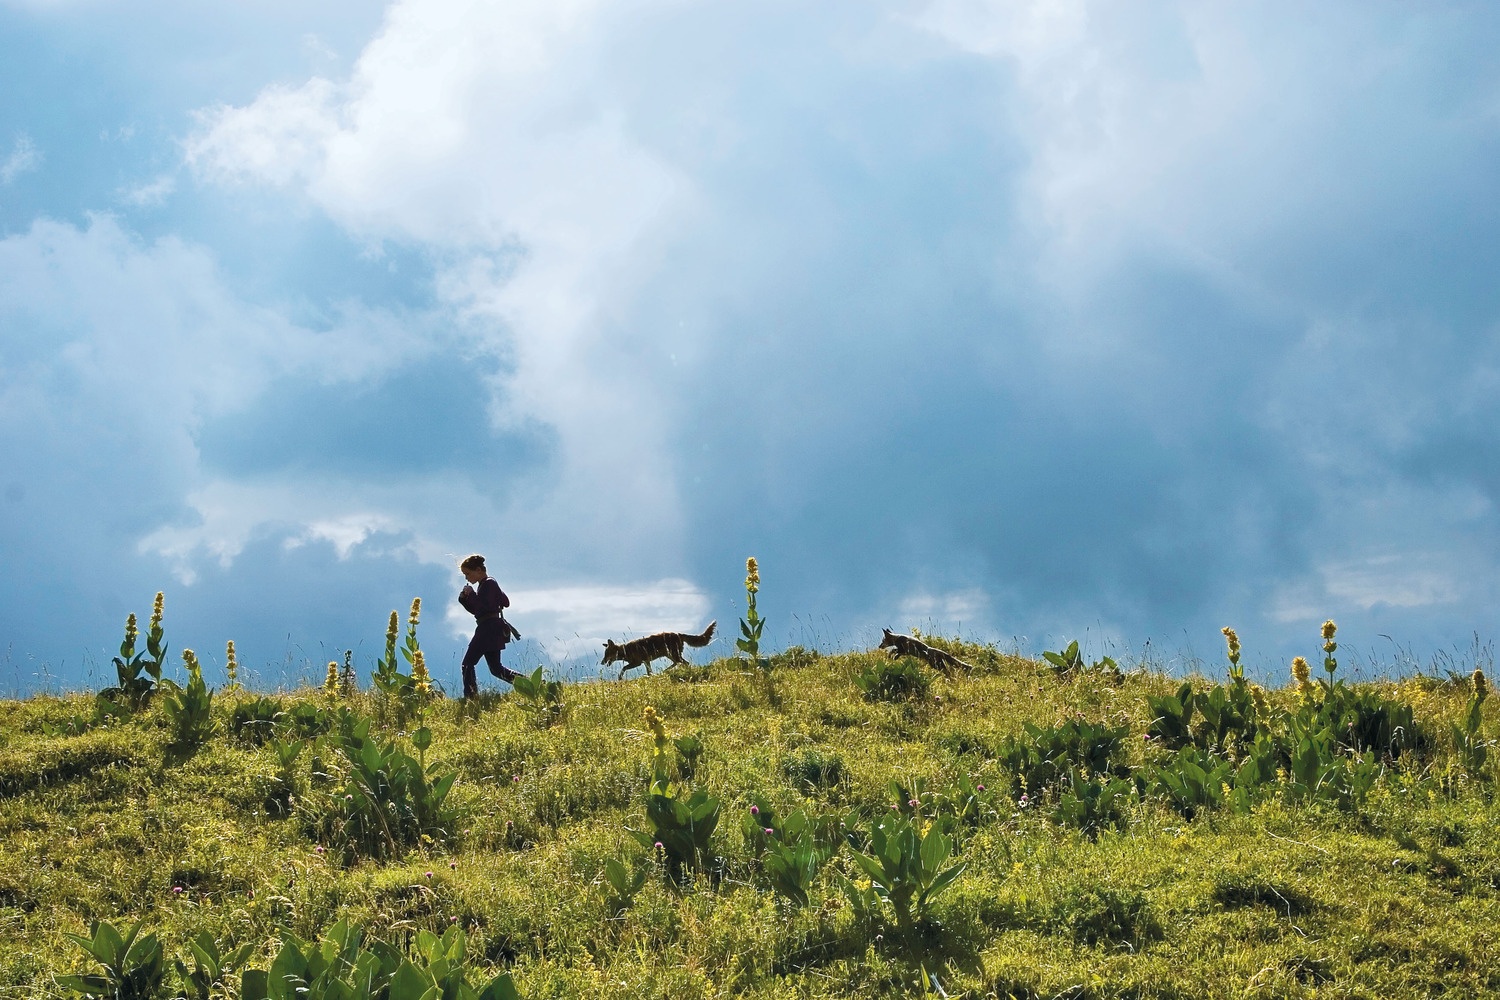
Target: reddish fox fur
640,652
905,645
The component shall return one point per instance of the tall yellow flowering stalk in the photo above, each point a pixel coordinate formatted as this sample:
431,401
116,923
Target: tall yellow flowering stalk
1329,646
1236,672
231,665
421,680
752,625
661,762
331,680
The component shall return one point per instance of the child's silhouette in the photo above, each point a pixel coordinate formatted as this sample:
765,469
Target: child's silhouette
483,598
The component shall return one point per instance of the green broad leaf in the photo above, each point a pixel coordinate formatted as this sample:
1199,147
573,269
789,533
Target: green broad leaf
935,850
944,880
871,867
411,984
502,987
422,739
254,985
88,985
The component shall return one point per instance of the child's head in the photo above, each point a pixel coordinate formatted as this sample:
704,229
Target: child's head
473,569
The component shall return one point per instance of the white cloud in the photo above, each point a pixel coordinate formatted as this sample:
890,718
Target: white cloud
24,157
485,133
151,194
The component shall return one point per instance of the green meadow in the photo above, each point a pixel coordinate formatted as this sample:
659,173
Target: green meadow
797,825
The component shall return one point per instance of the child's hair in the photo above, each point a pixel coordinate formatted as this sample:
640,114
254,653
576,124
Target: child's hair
475,561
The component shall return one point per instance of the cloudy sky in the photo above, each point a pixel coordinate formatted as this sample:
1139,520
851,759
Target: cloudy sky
1023,321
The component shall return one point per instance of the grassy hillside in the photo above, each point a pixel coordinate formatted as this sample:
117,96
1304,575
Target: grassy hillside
1312,842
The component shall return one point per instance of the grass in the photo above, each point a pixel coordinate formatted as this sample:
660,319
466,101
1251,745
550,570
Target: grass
1398,895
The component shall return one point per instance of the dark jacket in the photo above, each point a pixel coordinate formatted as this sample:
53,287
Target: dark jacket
485,604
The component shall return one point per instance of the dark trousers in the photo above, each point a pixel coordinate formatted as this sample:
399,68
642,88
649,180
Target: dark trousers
482,646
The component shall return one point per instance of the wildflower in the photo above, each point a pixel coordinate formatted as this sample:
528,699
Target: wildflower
393,628
1234,644
416,612
453,865
510,824
331,682
1258,697
420,678
515,779
1329,628
653,723
755,810
1481,687
176,890
770,832
318,849
912,803
130,629
190,659
156,610
1301,674
429,874
659,846
981,788
752,576
231,664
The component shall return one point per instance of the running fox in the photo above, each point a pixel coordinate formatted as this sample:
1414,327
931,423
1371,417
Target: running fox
905,645
640,652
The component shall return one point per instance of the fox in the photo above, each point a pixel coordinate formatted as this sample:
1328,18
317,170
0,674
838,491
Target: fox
640,652
905,645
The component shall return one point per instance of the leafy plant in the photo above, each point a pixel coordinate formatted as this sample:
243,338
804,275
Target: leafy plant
287,752
1093,803
385,799
211,967
253,721
1041,758
1473,751
133,966
1070,662
542,699
790,850
1194,780
340,967
625,883
1172,717
752,625
689,749
189,708
681,821
905,867
139,673
894,680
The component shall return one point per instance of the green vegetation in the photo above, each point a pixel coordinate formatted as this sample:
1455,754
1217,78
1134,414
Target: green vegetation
1017,831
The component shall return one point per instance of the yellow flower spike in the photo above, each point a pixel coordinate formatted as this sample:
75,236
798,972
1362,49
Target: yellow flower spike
1329,628
190,660
130,629
1481,686
419,675
156,610
331,682
416,612
394,627
231,663
1234,644
1258,696
1301,673
752,575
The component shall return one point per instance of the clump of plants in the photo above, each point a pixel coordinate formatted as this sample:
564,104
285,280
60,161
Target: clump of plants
902,679
680,820
541,699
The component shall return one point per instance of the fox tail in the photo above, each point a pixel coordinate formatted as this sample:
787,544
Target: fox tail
701,640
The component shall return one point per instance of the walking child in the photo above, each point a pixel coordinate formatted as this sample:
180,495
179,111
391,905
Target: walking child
483,598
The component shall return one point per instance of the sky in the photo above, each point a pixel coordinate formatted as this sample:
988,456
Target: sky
1020,322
